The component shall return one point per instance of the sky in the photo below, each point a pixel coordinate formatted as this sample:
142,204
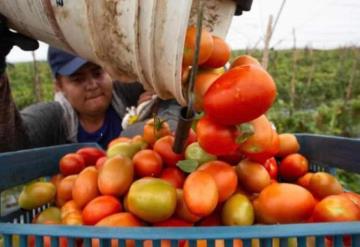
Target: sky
321,24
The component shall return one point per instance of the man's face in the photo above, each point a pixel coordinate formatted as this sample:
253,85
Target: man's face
89,90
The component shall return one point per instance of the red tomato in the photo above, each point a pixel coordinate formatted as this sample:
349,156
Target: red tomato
192,137
336,208
272,167
100,162
173,175
91,155
147,163
293,167
71,163
99,208
163,147
240,95
215,138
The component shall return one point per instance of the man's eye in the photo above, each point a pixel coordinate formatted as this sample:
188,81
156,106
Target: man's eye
97,73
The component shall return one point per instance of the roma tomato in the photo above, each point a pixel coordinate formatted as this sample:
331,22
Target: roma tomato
71,163
293,167
99,208
219,55
240,95
244,60
204,79
91,155
163,147
147,163
206,46
271,166
323,184
336,208
270,204
215,138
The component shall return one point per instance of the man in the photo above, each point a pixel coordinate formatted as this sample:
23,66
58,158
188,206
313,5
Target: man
88,106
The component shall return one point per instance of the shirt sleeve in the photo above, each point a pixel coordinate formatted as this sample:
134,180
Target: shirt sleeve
12,131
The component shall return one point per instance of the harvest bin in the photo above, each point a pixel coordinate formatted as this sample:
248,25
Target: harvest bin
324,153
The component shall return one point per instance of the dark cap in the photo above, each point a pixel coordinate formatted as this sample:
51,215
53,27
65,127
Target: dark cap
63,63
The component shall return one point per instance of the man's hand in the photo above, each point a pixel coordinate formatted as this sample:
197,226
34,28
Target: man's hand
8,39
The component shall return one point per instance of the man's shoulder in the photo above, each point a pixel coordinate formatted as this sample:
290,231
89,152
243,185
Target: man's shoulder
43,108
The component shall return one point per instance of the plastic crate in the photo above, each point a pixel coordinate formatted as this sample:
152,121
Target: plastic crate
324,152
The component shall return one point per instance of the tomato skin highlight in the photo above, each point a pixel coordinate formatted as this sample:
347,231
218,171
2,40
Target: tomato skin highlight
240,95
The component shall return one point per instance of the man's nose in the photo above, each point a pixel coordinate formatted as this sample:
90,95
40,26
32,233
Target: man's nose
91,83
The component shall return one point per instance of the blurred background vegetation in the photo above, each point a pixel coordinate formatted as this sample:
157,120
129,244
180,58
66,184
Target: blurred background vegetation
318,92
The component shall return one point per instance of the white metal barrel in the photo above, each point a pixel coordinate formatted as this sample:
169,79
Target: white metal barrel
137,40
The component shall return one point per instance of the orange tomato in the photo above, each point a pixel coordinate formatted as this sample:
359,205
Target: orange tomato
323,184
293,166
203,81
288,144
99,208
224,175
147,163
336,208
252,176
182,211
154,129
64,190
116,176
85,186
271,204
219,55
201,194
206,46
304,180
244,60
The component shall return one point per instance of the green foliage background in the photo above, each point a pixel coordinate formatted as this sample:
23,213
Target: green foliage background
321,100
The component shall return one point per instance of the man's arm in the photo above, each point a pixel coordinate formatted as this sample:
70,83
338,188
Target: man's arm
12,132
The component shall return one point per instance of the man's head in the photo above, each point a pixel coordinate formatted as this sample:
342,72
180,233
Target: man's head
86,85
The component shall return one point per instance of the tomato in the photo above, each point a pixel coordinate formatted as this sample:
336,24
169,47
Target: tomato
304,181
182,211
272,203
219,55
174,176
323,184
152,199
204,79
71,163
64,190
237,211
288,144
263,143
172,222
85,187
36,194
99,208
191,137
244,60
215,138
293,166
195,152
252,176
147,163
163,147
91,155
50,214
268,151
354,197
206,46
225,177
154,129
336,208
118,140
271,166
100,162
240,95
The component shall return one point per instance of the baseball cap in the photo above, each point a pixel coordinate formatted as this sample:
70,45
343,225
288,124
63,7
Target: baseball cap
63,63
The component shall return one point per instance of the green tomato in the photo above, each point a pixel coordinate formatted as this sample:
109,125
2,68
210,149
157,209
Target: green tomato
195,152
37,194
237,211
152,199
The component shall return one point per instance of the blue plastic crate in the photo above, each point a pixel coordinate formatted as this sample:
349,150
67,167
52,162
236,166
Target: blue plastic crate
323,152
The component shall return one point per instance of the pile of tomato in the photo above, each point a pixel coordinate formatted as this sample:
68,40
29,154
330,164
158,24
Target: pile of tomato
235,170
